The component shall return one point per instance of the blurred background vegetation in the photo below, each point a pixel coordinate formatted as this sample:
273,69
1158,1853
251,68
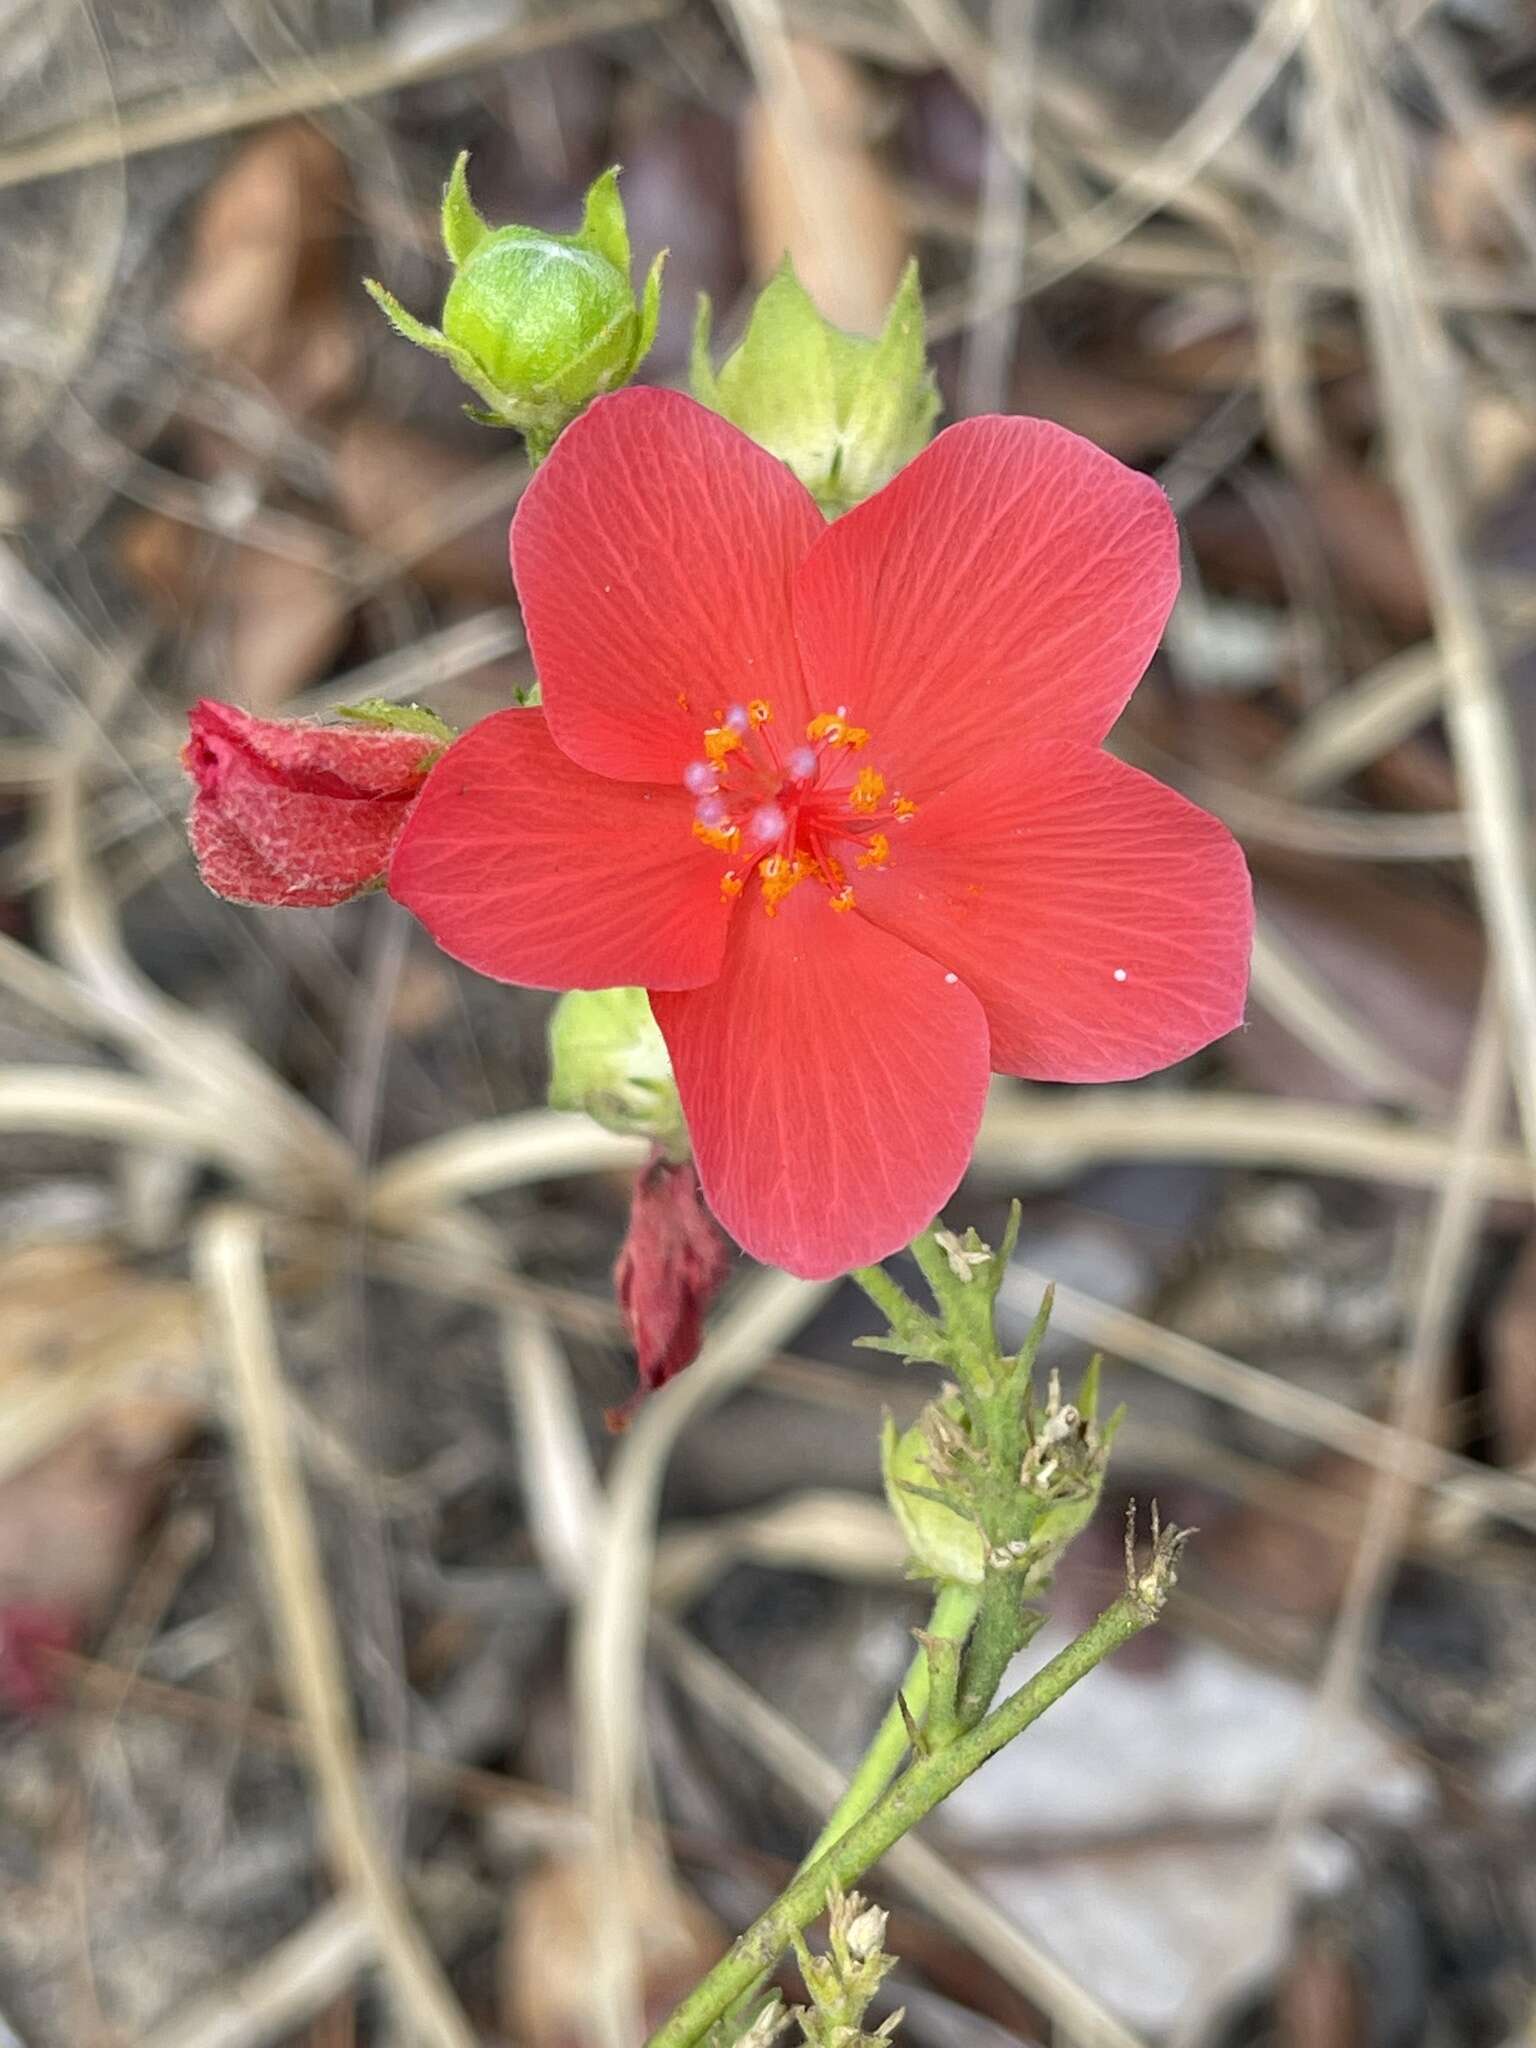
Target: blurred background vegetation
289,1247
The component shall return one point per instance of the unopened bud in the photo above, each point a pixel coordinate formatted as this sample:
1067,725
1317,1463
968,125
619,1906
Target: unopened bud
537,324
608,1057
845,413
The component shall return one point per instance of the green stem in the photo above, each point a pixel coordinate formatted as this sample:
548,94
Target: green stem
999,1635
929,1780
953,1612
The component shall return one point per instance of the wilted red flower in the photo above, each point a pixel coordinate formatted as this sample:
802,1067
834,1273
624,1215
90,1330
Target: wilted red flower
835,795
672,1264
291,812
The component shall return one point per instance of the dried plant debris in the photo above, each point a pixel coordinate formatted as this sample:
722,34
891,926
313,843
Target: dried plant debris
225,479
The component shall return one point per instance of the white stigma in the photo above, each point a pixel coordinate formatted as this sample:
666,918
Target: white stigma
737,719
802,763
699,777
711,810
766,824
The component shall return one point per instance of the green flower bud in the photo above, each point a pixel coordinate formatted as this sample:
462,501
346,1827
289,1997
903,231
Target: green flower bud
608,1058
843,412
537,324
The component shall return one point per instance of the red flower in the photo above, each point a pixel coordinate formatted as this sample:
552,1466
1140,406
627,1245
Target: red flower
296,813
672,1265
835,795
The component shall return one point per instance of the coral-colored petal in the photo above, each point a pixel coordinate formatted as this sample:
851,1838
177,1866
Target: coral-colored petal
529,869
325,852
1012,580
1104,921
655,554
833,1081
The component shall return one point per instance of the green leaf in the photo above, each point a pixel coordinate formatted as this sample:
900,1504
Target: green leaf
603,226
463,228
400,718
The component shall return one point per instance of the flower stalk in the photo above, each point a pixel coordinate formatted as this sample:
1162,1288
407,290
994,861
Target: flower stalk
924,1785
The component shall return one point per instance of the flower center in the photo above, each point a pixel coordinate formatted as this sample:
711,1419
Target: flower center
787,808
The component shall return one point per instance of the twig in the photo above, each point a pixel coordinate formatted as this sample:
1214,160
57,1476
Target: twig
948,1897
1298,998
228,1263
608,1648
538,1144
1413,366
272,1999
1298,1409
344,75
1232,1128
1448,1261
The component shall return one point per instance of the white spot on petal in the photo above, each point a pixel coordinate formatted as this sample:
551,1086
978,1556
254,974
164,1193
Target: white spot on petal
1121,975
951,978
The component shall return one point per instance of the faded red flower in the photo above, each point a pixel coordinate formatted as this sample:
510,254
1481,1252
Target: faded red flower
291,812
672,1264
836,796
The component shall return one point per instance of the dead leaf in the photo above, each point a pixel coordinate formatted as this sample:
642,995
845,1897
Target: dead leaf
285,619
1406,964
823,197
263,289
99,1389
1512,1362
1366,537
546,1946
396,489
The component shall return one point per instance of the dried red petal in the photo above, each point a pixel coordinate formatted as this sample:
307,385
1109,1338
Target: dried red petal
294,813
673,1263
29,1630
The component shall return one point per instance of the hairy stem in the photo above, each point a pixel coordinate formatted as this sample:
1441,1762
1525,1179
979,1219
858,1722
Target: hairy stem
921,1787
953,1612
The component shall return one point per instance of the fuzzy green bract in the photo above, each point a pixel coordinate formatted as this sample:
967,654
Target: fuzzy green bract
845,413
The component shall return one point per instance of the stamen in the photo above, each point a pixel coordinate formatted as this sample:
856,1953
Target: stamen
699,776
720,740
868,788
732,884
723,838
877,853
904,809
759,711
843,900
835,731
